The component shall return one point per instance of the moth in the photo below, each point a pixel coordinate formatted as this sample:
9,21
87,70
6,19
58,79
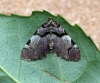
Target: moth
50,37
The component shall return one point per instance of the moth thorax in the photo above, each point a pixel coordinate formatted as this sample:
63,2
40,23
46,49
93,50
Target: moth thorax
51,29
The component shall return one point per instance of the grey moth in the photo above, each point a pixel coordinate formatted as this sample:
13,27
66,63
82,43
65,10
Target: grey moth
50,37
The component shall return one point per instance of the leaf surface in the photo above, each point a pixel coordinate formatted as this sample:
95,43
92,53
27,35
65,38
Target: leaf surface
15,31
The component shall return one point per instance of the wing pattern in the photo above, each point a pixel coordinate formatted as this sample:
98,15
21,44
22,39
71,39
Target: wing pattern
50,37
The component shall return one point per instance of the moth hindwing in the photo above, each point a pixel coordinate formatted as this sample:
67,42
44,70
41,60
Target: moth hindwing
50,36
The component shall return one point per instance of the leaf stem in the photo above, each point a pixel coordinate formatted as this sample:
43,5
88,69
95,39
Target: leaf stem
16,81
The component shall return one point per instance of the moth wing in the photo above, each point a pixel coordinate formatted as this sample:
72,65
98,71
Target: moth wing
36,49
64,48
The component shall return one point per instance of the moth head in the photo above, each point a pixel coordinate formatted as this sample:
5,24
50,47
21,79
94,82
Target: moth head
53,23
50,22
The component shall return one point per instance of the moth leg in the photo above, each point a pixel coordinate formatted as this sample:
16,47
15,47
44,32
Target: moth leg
37,49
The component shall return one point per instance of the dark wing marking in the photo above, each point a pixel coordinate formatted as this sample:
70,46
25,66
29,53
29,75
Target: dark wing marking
37,49
64,48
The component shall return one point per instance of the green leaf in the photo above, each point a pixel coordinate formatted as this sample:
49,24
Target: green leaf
15,31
